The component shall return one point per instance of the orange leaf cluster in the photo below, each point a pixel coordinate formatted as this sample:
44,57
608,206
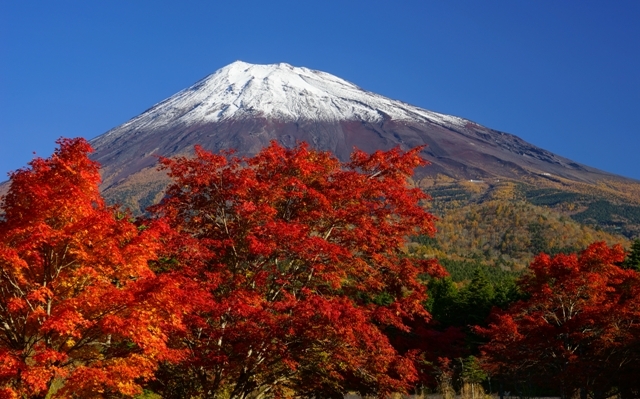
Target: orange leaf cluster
285,256
78,302
577,330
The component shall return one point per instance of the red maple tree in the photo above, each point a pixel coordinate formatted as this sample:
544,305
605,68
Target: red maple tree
80,311
293,267
578,331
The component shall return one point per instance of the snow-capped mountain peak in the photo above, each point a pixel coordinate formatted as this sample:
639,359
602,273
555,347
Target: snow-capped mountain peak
278,91
244,107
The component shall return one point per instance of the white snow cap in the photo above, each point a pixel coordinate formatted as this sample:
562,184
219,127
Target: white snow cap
279,91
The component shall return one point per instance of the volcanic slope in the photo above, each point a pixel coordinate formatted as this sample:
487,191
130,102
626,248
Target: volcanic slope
244,106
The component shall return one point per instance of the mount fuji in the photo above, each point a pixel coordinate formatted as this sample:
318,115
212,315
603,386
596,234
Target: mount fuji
244,106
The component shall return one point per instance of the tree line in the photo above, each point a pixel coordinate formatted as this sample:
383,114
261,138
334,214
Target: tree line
286,274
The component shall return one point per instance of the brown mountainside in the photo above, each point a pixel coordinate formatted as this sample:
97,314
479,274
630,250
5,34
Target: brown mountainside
244,106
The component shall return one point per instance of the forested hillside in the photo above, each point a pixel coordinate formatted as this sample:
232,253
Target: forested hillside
507,223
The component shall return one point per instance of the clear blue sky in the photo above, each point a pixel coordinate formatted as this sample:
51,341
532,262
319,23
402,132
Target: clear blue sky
563,75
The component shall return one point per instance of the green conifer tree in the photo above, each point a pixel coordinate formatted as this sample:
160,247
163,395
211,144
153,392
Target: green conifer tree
633,258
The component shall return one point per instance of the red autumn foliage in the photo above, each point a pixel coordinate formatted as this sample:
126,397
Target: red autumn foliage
80,311
282,275
293,267
579,328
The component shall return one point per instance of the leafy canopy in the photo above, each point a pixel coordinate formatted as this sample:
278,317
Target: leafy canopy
577,329
294,266
80,311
